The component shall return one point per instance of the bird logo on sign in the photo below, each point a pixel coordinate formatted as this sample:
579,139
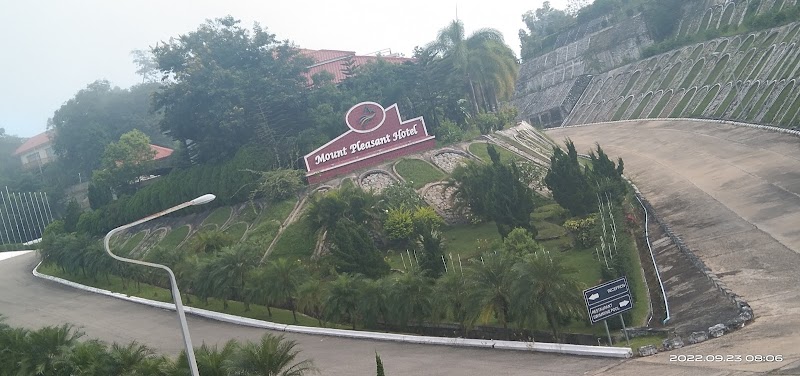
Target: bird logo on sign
366,116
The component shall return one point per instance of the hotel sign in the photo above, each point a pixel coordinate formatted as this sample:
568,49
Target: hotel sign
375,135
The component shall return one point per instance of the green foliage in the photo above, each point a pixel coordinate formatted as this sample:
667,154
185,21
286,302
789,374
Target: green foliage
494,192
520,242
489,122
236,230
379,365
71,216
210,241
571,188
354,251
124,162
398,224
431,247
248,84
218,217
58,350
541,23
584,230
99,115
449,132
297,240
227,181
480,149
418,172
278,185
482,65
401,195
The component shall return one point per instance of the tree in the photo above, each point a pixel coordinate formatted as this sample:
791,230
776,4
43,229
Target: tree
272,356
147,67
482,62
541,23
43,347
230,270
379,365
71,216
494,192
98,115
354,251
310,296
543,284
341,302
410,298
124,162
277,185
571,188
489,284
450,299
372,301
227,86
519,242
284,278
430,245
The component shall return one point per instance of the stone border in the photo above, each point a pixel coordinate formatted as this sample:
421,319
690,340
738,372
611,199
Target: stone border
559,348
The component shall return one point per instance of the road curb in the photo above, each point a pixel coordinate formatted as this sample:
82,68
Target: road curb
558,348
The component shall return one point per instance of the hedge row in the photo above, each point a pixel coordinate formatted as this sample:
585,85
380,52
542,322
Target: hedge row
229,181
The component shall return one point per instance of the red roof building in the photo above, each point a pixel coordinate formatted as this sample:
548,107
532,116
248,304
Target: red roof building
335,62
38,151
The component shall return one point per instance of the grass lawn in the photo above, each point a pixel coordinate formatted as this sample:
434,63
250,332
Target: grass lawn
479,149
549,212
248,214
131,243
279,211
174,238
218,217
147,291
463,239
297,241
236,230
418,172
549,231
638,342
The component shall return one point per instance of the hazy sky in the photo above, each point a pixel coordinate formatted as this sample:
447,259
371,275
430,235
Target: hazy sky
51,49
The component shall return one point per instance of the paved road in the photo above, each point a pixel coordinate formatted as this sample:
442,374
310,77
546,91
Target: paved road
32,302
724,189
733,194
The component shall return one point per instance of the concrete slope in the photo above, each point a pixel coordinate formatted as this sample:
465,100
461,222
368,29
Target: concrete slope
733,194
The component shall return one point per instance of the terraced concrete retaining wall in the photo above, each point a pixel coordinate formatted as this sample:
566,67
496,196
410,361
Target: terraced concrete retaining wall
749,78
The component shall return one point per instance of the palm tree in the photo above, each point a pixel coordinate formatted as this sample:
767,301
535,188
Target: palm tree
89,358
283,278
272,356
544,284
489,285
129,359
310,297
483,63
450,299
230,269
44,347
410,297
341,303
211,361
371,301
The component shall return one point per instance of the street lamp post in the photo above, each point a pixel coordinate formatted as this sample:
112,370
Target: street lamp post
176,295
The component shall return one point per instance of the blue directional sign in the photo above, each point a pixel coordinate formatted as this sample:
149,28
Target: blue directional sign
609,299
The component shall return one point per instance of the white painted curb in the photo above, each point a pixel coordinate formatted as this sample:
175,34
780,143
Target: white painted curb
603,351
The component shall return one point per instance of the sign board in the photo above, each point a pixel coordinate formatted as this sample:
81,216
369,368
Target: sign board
375,135
609,299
